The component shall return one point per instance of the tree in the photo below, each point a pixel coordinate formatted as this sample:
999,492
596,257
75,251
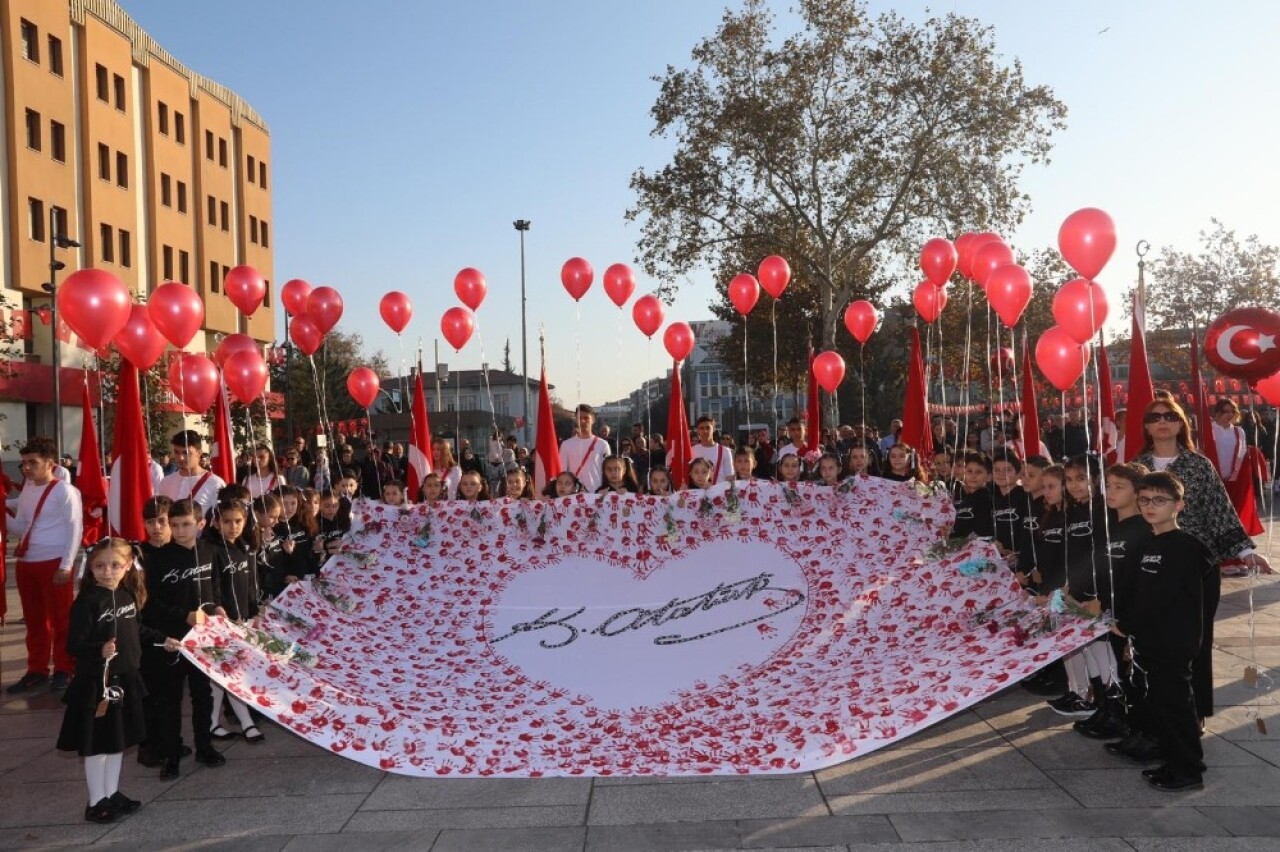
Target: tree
318,385
506,357
841,148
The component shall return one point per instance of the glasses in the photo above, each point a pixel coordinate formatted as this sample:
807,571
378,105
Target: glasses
1159,416
1155,501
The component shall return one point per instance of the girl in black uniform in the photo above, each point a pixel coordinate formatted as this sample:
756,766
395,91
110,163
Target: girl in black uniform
235,569
104,714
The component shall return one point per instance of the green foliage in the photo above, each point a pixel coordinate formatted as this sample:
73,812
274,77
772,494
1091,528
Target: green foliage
319,384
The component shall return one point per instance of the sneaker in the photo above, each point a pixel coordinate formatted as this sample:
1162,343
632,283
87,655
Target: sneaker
210,756
31,680
101,812
59,681
122,803
1072,705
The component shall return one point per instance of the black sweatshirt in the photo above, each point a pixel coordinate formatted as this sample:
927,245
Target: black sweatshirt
1165,618
973,513
1007,514
236,570
330,531
273,562
179,581
302,562
96,617
1086,539
1128,539
1043,547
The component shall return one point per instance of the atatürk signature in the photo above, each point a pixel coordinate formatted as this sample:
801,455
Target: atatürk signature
674,610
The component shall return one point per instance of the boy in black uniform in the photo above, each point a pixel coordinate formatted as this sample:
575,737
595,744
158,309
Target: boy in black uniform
181,591
1164,621
973,498
1009,503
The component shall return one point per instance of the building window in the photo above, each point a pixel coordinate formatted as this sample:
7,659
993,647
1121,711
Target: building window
166,263
226,216
222,152
119,86
58,141
182,197
35,219
208,145
100,76
184,266
162,115
59,215
214,281
262,174
252,170
122,169
30,40
104,162
55,55
126,249
166,191
266,295
262,232
33,130
179,127
253,229
107,237
213,210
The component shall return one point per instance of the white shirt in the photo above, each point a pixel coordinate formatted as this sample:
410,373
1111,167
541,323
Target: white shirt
584,457
716,453
175,486
789,450
450,480
259,485
1231,449
58,528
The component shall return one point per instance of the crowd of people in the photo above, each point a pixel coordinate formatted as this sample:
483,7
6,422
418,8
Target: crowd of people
1143,541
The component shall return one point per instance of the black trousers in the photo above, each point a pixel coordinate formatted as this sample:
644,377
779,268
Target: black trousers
1202,667
1169,712
165,680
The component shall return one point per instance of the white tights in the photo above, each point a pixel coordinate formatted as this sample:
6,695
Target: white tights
1077,673
237,706
1093,660
102,774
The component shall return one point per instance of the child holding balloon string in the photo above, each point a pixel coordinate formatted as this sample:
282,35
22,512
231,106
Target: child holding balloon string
332,524
298,524
274,547
236,571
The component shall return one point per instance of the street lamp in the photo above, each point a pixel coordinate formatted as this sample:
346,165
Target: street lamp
57,240
522,225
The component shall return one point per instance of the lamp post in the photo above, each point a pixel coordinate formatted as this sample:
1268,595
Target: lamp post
522,225
57,240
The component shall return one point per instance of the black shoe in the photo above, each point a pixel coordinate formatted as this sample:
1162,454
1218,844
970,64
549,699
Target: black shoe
184,751
149,759
123,804
221,733
59,681
1171,783
1108,728
210,756
101,812
1137,747
1072,705
170,769
29,681
1155,772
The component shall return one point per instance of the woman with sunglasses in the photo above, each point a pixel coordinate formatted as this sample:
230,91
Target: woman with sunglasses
1208,515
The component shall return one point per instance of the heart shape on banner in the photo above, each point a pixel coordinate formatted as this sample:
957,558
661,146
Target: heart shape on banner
626,642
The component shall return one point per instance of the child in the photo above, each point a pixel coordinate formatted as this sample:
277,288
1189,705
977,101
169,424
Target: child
744,464
618,476
1008,500
393,493
432,490
943,460
516,484
659,481
236,571
700,473
331,527
859,462
472,487
1164,622
181,589
564,485
789,469
829,472
274,548
973,498
104,714
904,464
155,519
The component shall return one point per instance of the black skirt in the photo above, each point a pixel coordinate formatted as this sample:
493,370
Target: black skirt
121,726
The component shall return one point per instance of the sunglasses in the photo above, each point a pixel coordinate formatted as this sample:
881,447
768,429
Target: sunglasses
1158,416
1155,501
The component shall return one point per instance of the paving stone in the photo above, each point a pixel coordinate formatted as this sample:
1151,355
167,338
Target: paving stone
16,753
290,776
1268,750
1199,844
257,843
369,841
1168,821
241,819
959,800
28,725
1238,723
510,840
977,825
664,836
762,798
1063,748
279,742
966,730
923,770
42,804
46,836
476,817
1019,845
1227,785
1245,821
815,831
401,792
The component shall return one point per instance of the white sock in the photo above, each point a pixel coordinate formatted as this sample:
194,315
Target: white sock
111,772
242,712
93,777
1101,661
217,705
1077,673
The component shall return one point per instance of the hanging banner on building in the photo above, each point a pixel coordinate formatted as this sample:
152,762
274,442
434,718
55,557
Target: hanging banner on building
753,629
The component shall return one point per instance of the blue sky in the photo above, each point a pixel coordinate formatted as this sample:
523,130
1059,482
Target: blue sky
407,136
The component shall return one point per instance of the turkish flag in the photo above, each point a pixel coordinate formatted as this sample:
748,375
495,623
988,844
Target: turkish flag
419,439
546,450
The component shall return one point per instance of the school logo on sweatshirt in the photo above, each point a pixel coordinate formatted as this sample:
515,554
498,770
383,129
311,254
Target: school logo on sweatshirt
239,567
1009,515
182,575
964,512
1115,549
1153,560
126,611
1080,529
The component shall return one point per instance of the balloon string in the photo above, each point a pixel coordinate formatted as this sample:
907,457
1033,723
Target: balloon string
862,386
942,373
991,391
484,372
619,435
746,376
648,415
404,368
377,469
326,425
773,316
577,341
966,386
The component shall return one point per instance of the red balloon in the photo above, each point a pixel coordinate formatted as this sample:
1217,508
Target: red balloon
576,275
325,306
929,301
774,274
966,248
619,283
987,258
139,342
305,333
457,325
1080,309
1087,239
1269,388
363,385
176,311
95,305
1061,359
194,381
1002,362
744,292
678,338
938,261
647,314
828,368
245,374
470,286
861,318
1009,291
397,310
294,295
1241,344
233,343
245,288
